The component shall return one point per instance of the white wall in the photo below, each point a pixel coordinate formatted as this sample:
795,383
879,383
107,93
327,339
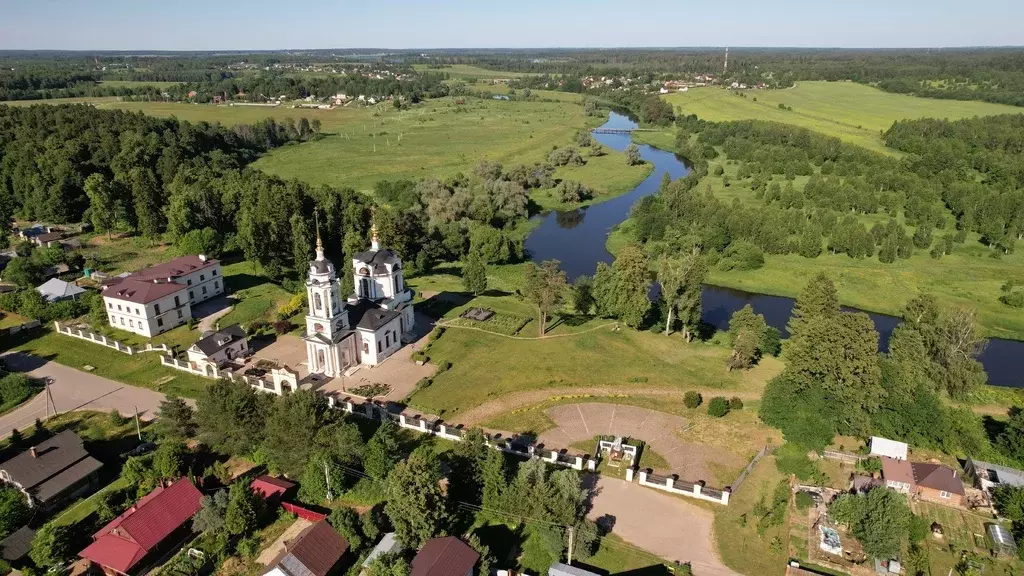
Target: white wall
209,279
389,337
143,318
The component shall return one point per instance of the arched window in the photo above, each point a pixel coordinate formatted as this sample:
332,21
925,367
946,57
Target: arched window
366,347
319,302
320,358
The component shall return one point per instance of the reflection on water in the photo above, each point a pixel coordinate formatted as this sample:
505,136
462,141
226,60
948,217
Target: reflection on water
577,239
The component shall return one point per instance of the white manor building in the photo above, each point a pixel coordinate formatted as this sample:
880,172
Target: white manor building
366,328
156,299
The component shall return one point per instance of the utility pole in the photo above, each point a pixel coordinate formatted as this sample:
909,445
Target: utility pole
327,478
571,534
138,428
46,397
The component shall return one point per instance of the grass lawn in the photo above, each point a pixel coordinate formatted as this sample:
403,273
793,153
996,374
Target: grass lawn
740,545
487,366
11,319
853,112
258,297
959,530
607,176
138,370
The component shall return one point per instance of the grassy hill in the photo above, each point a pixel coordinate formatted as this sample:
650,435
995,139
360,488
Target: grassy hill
853,112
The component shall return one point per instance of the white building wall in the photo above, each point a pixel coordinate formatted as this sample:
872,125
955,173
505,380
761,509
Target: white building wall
149,319
388,336
203,284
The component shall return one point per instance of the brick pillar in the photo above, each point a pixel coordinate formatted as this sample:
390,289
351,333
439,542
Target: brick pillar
696,489
643,476
442,430
401,420
726,494
592,465
423,425
629,474
554,456
669,482
579,463
349,407
330,401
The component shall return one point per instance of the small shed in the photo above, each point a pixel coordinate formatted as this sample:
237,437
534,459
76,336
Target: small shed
890,448
1001,541
55,290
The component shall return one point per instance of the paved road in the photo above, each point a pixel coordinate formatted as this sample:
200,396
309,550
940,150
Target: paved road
74,390
659,523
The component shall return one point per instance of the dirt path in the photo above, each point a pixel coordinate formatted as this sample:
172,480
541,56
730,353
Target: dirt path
271,552
580,422
661,524
509,402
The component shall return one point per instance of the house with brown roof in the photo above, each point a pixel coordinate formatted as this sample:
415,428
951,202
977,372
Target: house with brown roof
926,480
447,556
938,483
314,552
52,471
153,524
158,298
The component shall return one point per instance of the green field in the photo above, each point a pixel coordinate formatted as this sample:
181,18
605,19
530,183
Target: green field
468,71
853,112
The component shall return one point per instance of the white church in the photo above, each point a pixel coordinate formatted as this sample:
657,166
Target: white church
369,325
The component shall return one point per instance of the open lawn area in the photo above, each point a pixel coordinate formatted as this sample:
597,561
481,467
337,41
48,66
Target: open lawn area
138,370
11,319
853,112
741,545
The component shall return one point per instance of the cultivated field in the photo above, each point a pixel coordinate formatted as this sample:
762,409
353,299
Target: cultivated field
853,112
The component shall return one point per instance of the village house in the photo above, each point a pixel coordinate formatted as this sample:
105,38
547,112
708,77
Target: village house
159,298
56,290
314,552
447,556
53,471
369,325
158,521
888,448
219,347
925,480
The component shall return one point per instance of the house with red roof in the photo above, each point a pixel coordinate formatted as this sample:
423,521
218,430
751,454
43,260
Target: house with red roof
270,488
447,556
158,298
158,520
314,552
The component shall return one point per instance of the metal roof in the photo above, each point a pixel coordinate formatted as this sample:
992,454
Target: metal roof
891,448
444,557
559,569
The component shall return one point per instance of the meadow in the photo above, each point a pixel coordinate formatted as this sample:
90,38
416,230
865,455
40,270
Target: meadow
469,71
853,112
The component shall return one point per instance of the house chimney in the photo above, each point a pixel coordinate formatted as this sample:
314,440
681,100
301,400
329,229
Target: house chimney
202,257
33,451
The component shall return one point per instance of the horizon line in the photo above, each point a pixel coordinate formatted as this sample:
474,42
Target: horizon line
504,48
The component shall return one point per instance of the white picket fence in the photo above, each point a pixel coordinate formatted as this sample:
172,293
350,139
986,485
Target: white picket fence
108,342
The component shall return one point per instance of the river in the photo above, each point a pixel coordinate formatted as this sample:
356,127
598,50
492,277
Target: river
577,240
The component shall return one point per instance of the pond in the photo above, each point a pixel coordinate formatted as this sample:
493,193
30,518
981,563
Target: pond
577,240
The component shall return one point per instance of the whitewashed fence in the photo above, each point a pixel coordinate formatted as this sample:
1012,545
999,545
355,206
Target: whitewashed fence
455,434
690,489
108,342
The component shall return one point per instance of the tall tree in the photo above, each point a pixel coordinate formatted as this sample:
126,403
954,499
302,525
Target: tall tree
383,451
244,509
622,290
474,274
291,426
544,286
175,418
147,200
230,416
103,203
417,505
681,278
817,299
14,510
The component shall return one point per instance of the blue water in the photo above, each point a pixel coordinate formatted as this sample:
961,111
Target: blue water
577,239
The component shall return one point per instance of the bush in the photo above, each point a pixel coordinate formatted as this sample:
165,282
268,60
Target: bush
567,156
792,459
424,383
692,399
803,501
1013,299
572,191
444,367
735,403
741,255
249,547
116,419
282,327
436,333
718,407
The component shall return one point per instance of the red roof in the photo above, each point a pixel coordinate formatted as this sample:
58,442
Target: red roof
937,477
129,537
267,486
140,292
175,268
444,557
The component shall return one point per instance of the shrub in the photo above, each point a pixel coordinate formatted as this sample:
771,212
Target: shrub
436,333
115,418
1013,299
735,403
741,255
572,191
568,156
803,501
249,547
444,366
282,327
692,399
424,383
718,407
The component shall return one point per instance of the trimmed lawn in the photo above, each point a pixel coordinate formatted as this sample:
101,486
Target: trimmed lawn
138,370
258,297
11,319
852,112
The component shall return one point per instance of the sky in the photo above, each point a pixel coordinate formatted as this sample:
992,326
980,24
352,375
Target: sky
403,24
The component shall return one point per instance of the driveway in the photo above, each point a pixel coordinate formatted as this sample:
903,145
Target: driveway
73,389
659,523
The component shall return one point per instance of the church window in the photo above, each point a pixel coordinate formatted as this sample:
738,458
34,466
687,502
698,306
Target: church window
320,357
378,346
387,339
319,302
366,346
